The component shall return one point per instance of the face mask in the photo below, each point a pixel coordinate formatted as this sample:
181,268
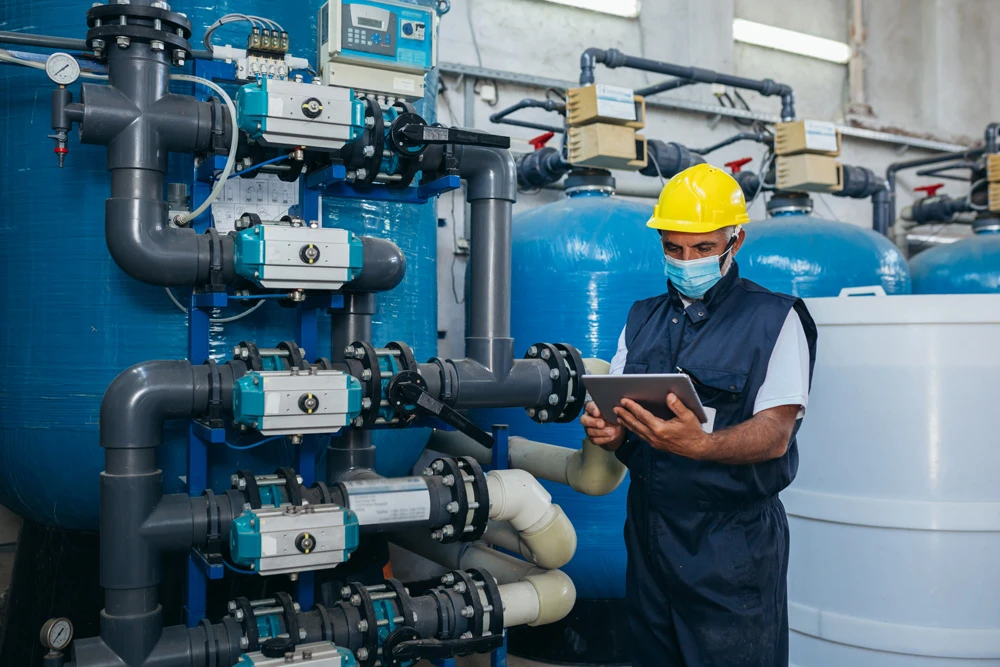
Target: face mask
694,277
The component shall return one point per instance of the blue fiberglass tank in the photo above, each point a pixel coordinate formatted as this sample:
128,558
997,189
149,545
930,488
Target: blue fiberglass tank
578,265
969,266
72,320
795,252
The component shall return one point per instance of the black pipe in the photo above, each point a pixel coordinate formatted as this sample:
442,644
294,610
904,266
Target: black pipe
667,159
669,84
939,208
889,205
540,168
759,137
500,117
43,41
883,209
991,143
613,58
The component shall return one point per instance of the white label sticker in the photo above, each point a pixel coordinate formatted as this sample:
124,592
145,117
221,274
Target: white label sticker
389,500
615,102
821,136
268,545
272,403
404,84
275,106
266,195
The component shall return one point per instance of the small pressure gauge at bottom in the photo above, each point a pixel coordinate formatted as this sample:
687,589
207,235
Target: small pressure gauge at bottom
57,633
62,68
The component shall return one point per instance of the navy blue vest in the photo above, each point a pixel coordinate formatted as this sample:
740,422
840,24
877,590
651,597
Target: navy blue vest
724,342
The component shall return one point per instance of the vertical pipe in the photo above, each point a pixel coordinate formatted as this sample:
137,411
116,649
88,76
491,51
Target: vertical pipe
352,449
468,120
857,102
489,340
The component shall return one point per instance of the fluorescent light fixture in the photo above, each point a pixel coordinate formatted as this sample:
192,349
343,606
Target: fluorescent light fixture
791,41
627,8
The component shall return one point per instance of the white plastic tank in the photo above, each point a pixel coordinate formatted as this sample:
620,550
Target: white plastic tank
895,512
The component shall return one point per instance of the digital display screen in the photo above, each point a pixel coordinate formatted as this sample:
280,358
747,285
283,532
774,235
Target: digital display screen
369,23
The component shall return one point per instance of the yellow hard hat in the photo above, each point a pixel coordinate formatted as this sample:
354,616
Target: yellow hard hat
700,199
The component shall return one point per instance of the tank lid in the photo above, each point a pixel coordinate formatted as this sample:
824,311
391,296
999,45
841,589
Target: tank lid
789,203
986,226
589,181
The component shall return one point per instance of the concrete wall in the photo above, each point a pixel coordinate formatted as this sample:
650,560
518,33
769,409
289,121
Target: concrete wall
918,77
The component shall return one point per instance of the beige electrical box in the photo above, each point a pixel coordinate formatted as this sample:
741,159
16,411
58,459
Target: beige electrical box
807,136
994,197
809,173
605,104
606,146
993,168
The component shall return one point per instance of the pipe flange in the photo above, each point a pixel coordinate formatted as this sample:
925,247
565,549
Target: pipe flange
325,621
127,23
393,640
372,387
367,610
492,592
559,374
407,362
248,622
466,586
294,359
290,614
249,353
324,493
577,394
402,600
292,487
249,488
481,513
453,532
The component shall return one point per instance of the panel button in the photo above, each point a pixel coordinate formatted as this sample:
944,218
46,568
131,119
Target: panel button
407,28
377,38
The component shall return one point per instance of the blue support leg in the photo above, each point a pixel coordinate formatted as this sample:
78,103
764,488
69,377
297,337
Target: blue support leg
501,460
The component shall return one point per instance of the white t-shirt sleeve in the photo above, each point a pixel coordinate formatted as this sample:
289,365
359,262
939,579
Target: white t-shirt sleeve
618,361
787,379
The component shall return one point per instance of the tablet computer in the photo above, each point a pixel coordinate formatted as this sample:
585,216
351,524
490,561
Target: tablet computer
650,391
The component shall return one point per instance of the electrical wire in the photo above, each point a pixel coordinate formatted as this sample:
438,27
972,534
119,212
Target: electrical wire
216,320
232,18
454,253
234,141
259,165
256,444
829,209
7,56
972,188
237,570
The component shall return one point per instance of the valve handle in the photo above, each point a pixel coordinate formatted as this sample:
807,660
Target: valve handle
408,395
418,134
931,189
430,649
735,166
538,143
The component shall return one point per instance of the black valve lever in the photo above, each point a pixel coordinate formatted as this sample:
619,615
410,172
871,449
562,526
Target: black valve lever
403,649
416,133
408,396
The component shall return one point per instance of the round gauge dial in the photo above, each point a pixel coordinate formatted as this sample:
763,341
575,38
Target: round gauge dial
57,633
62,68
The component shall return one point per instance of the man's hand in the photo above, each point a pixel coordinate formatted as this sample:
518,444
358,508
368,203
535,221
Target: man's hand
681,435
604,435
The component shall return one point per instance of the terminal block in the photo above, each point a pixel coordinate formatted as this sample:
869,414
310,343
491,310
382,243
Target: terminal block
296,402
292,538
296,256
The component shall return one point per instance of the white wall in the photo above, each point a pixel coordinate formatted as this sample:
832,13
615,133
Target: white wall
928,69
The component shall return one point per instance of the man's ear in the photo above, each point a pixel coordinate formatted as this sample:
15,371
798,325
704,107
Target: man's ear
739,241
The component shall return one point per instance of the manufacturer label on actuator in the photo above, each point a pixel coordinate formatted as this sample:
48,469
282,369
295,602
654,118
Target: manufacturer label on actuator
377,501
821,136
615,102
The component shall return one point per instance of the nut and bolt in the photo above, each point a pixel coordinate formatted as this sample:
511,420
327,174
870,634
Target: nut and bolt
238,614
231,606
314,224
244,643
368,151
428,472
359,422
359,353
448,480
366,374
448,531
437,535
361,174
545,354
366,403
369,122
554,374
179,56
296,440
345,593
543,414
468,612
437,466
531,412
460,587
298,478
452,507
553,399
156,45
355,600
362,625
349,351
448,579
241,484
306,655
123,42
289,657
159,4
466,635
361,653
97,45
298,78
233,480
253,523
302,634
256,380
532,351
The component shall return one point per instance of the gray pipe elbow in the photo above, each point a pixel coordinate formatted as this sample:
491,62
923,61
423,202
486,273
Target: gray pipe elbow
383,269
137,402
490,173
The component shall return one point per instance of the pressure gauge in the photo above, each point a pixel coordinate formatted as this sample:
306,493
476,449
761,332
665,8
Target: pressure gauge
57,632
62,68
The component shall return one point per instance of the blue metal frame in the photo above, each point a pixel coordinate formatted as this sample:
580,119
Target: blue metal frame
332,182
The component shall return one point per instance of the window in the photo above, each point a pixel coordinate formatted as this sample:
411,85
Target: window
791,41
627,8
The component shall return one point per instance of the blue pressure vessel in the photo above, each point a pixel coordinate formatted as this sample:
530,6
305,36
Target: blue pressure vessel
72,320
795,252
578,265
969,266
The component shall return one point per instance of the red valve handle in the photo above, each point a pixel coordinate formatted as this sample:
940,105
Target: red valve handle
931,190
736,165
539,142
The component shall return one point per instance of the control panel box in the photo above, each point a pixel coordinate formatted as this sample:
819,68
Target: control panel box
377,46
809,173
993,168
606,146
807,136
605,104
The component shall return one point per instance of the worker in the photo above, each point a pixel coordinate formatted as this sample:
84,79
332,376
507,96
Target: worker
706,535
